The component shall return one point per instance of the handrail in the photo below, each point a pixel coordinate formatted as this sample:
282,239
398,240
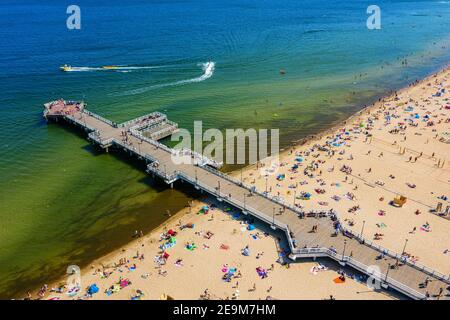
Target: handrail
95,136
395,255
172,127
363,268
157,116
78,121
253,190
235,202
199,159
98,117
285,227
157,144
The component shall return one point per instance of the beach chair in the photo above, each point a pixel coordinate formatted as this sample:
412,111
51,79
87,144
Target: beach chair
399,201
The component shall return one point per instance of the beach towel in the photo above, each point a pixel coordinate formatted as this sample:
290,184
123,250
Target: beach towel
160,260
92,289
73,291
191,247
338,280
168,244
114,289
203,211
336,198
124,283
261,272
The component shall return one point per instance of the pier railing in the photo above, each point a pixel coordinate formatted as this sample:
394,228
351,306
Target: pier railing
399,257
158,116
198,159
157,144
164,131
363,241
156,168
95,136
233,201
100,118
81,122
382,278
254,190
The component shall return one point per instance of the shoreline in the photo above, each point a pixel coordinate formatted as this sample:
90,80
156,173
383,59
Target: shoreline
334,127
283,153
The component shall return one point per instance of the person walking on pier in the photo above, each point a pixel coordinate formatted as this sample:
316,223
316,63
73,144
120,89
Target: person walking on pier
425,283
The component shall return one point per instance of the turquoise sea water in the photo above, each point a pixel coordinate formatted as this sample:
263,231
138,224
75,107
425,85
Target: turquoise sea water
62,202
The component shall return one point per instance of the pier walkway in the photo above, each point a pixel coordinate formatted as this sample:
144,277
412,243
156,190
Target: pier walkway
330,240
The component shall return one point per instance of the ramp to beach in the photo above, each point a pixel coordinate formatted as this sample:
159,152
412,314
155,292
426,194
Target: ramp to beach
390,269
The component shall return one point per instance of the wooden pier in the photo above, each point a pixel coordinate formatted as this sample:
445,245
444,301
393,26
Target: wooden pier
139,137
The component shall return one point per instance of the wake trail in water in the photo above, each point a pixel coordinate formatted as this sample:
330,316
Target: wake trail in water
208,71
115,68
83,69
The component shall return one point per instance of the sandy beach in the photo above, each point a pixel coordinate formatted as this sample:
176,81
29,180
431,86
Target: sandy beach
397,147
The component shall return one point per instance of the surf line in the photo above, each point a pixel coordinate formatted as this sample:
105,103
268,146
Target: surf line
208,71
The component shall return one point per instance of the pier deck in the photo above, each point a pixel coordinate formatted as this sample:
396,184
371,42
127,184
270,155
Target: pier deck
388,268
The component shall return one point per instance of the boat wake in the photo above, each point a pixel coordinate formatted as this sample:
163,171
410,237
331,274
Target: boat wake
114,68
208,71
83,69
